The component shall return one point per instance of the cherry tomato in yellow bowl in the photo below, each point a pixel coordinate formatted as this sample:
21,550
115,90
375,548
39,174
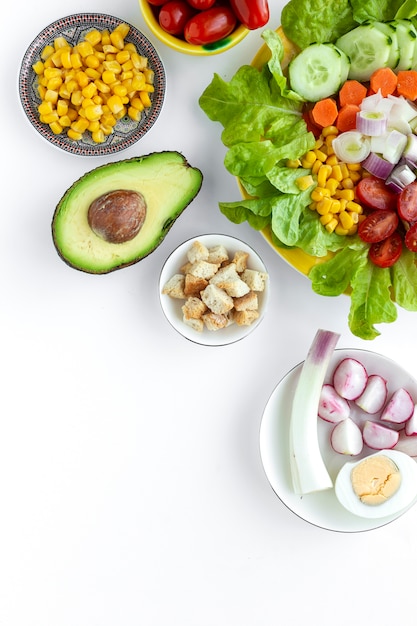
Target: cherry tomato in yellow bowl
195,27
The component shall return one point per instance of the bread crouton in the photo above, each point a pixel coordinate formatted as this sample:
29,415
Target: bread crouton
203,269
240,259
254,279
197,325
215,321
218,254
248,302
193,308
225,274
193,285
197,252
245,318
216,299
174,287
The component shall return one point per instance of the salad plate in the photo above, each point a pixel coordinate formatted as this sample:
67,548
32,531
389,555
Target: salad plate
127,131
320,509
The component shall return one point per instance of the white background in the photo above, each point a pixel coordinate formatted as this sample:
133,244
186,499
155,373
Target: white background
131,486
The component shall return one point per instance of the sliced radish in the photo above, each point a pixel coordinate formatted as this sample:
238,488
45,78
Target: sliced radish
346,438
379,437
407,444
332,408
349,378
374,396
411,424
399,408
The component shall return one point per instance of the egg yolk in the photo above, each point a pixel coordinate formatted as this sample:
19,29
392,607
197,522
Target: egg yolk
375,479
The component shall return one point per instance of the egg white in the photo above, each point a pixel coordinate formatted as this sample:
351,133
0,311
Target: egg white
402,499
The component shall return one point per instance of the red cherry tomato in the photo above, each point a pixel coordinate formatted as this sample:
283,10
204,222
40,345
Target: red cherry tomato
201,5
375,194
157,3
378,225
174,15
210,26
411,238
387,252
252,13
407,203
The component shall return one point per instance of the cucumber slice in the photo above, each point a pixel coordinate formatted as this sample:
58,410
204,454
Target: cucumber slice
368,49
390,30
407,40
318,71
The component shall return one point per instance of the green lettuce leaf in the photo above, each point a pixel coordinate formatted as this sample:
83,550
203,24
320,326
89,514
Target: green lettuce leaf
380,10
321,21
404,281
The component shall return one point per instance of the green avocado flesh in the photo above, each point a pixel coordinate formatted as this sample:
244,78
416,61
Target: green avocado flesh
165,180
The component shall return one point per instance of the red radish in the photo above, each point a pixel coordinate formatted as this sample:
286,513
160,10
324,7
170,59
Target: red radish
374,396
411,424
332,408
407,444
349,378
346,438
399,408
379,437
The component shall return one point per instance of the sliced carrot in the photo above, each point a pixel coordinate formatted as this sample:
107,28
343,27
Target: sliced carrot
324,112
346,120
352,92
407,84
383,79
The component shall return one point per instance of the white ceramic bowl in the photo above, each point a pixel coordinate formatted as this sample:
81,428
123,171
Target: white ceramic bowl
172,307
322,508
126,132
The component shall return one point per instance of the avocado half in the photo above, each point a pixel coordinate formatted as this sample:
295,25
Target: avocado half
164,180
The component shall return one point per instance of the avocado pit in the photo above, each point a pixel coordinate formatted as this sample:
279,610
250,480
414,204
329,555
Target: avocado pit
117,216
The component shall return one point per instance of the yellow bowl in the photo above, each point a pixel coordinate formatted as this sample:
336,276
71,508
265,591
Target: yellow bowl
178,44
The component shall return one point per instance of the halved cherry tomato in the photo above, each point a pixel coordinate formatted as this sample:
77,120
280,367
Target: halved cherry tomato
378,225
387,252
251,13
407,203
201,5
411,238
210,26
374,193
174,15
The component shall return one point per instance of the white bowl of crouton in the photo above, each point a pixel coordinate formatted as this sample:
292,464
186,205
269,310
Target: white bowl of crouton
214,289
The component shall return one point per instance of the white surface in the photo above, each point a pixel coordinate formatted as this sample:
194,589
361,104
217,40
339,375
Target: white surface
131,486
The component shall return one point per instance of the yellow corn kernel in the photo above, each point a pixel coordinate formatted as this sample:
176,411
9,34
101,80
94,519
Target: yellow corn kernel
329,130
134,113
54,84
80,125
73,134
319,143
92,73
101,86
293,163
337,172
112,66
149,75
72,114
139,62
65,121
127,67
344,170
123,28
336,206
108,77
94,126
62,107
320,155
123,56
339,230
76,98
89,90
105,37
332,184
347,183
110,51
107,130
316,166
331,225
355,216
304,182
98,136
51,96
319,193
345,220
347,194
66,58
117,39
149,88
354,167
325,219
323,174
144,96
50,117
92,61
46,52
82,79
332,160
56,127
354,207
38,68
137,103
309,157
84,48
93,112
60,42
93,37
356,176
324,206
115,104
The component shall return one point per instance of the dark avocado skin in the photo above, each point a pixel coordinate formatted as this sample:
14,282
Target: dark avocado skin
167,182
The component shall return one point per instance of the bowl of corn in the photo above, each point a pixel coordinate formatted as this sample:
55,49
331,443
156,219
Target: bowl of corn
150,14
91,84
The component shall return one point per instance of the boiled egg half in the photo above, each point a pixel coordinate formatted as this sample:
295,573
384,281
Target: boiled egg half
380,485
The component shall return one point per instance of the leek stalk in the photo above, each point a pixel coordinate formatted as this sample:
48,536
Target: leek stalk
308,470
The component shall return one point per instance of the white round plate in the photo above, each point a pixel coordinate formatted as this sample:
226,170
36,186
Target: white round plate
322,508
172,307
